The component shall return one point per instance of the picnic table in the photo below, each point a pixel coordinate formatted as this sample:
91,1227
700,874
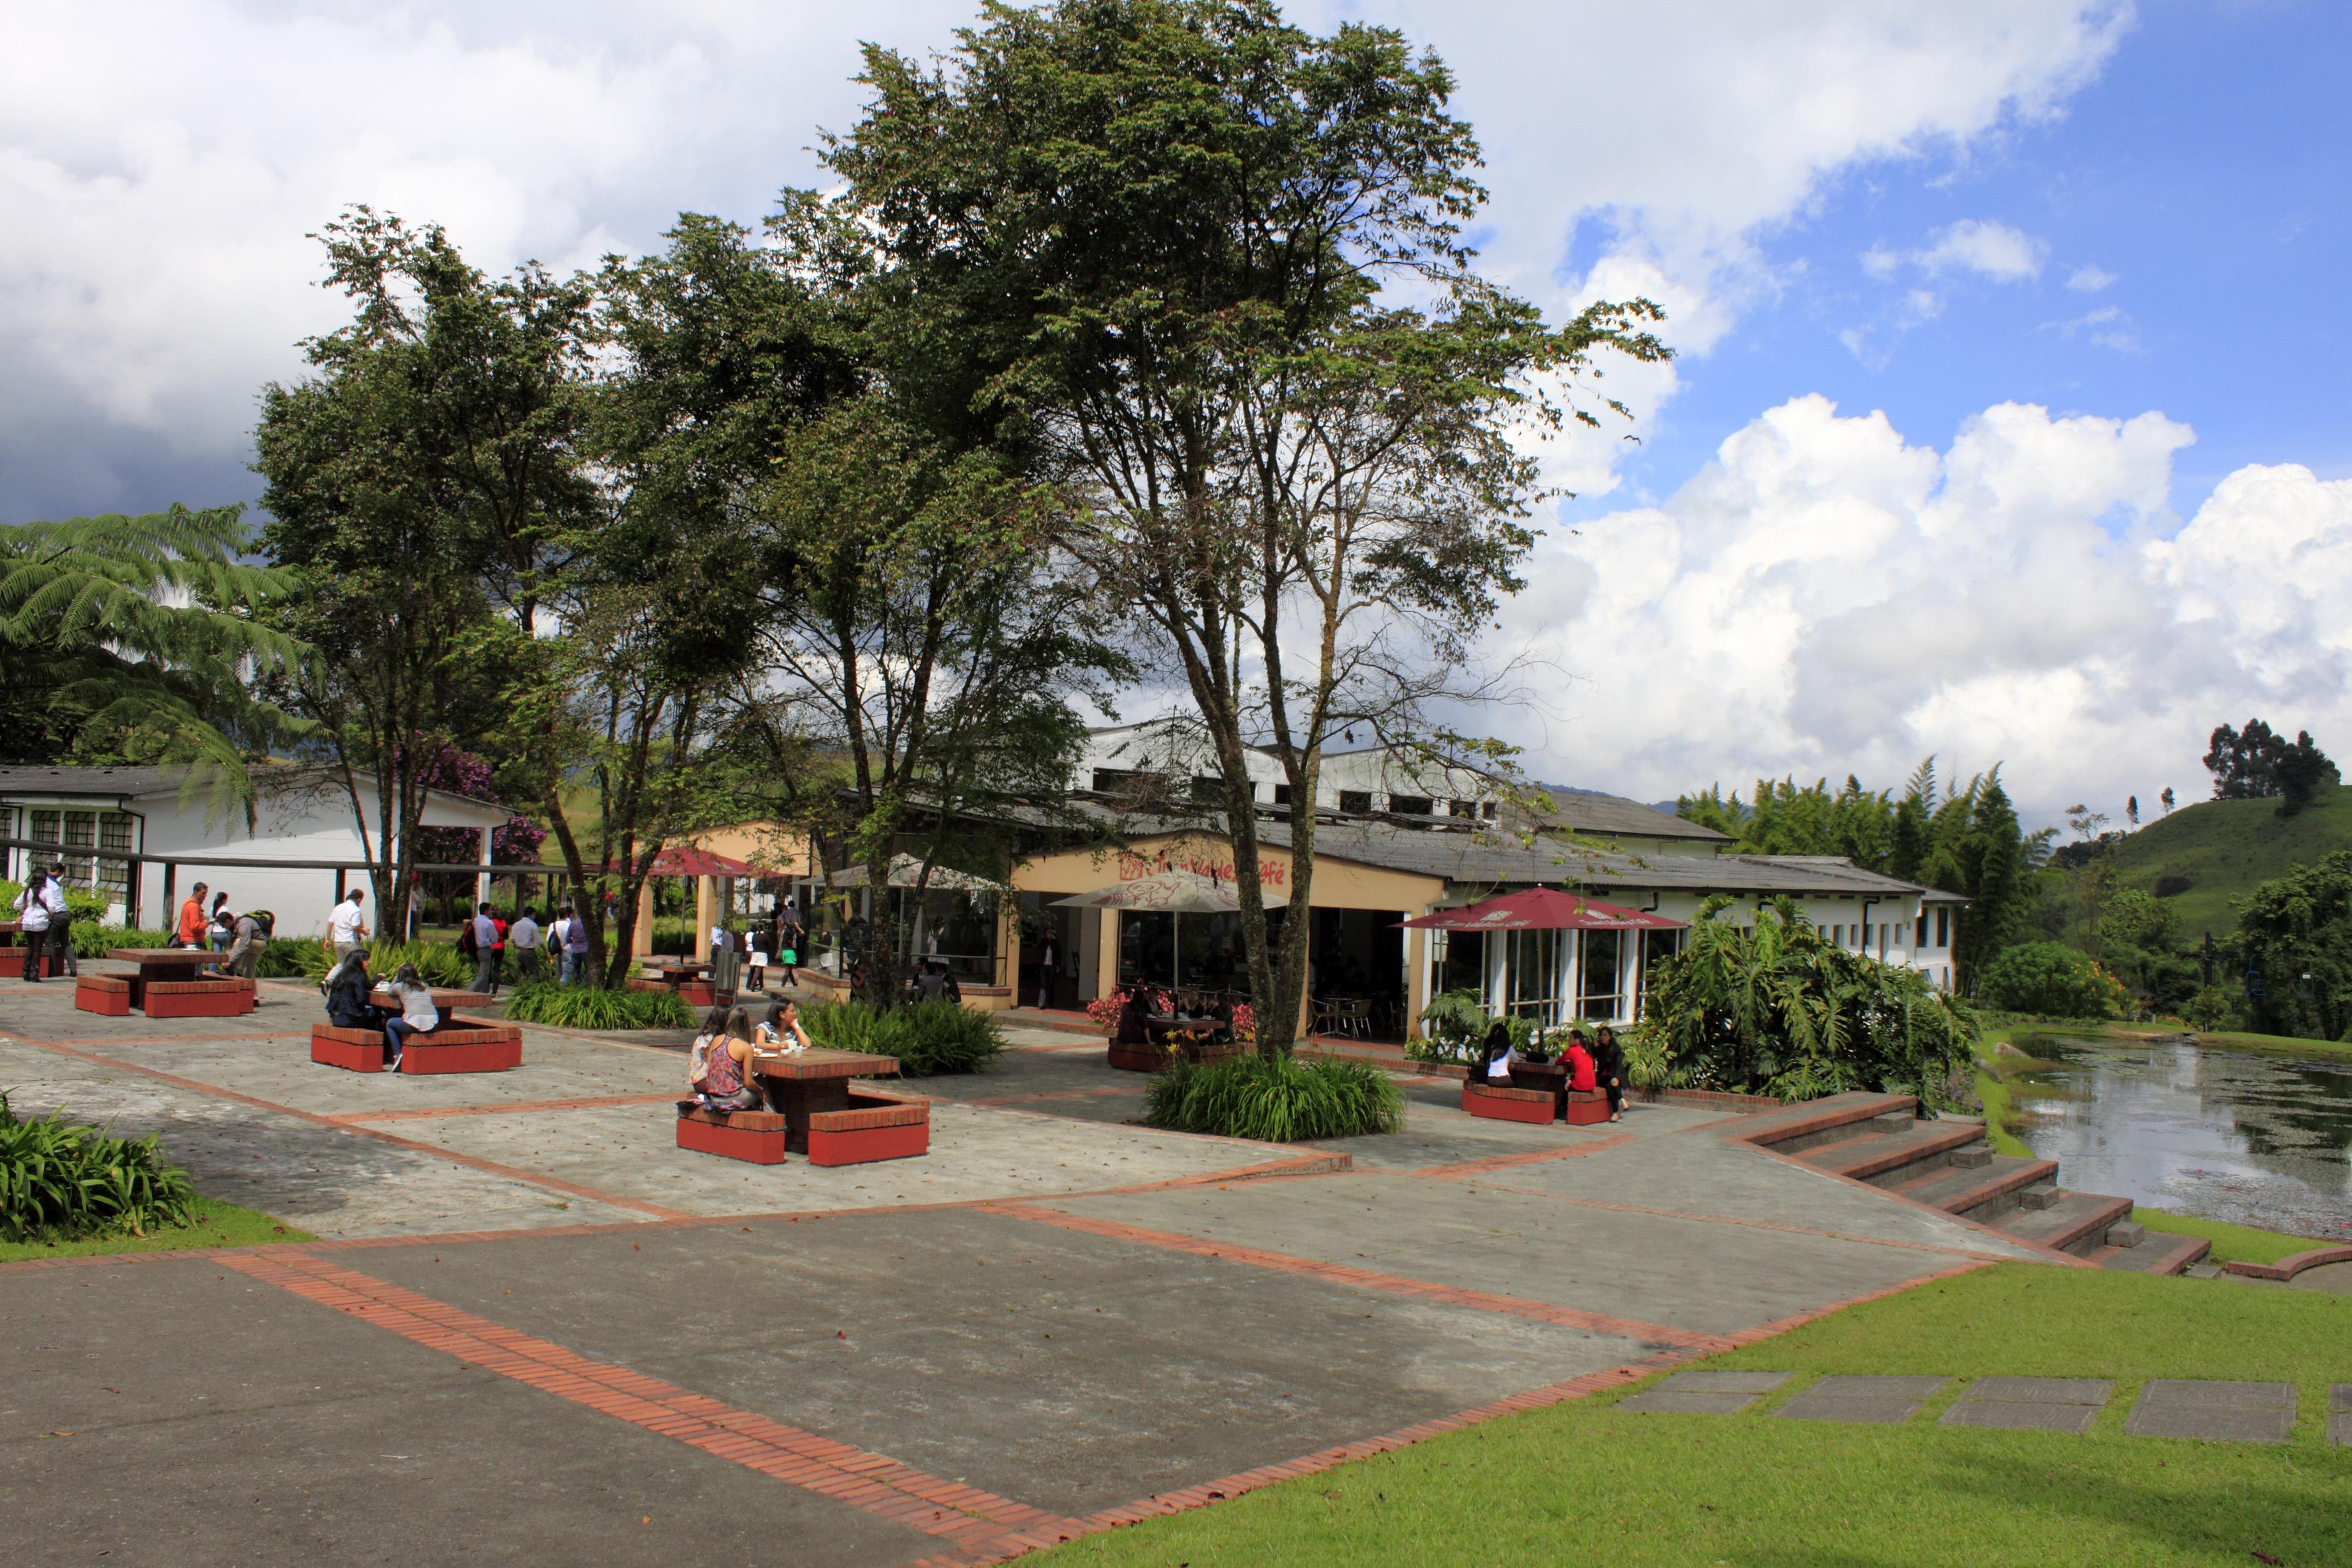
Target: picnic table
1160,1025
160,964
803,1084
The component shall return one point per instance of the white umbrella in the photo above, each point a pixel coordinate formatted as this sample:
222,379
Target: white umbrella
1173,893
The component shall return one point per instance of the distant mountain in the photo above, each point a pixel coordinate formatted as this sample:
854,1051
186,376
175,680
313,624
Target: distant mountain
2203,856
1666,806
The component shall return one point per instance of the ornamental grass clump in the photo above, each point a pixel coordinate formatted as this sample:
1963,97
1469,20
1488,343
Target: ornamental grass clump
62,1179
584,1008
437,965
1278,1100
927,1038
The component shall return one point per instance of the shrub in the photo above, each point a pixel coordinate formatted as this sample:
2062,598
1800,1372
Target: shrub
927,1038
1451,1027
281,957
435,964
88,909
1274,1101
94,941
583,1007
2052,979
61,1179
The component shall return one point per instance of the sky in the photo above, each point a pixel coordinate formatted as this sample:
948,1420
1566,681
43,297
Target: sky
2008,422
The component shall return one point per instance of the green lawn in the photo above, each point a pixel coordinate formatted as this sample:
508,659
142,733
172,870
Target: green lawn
218,1224
1581,1482
2223,847
2231,1242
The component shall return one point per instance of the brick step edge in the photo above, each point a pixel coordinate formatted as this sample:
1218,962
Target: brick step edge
1989,1189
741,1121
2178,1255
860,1118
2287,1268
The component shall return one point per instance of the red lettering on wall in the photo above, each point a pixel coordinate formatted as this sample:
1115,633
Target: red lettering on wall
1133,868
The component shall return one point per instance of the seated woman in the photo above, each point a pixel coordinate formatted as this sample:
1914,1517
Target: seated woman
348,989
780,1029
1579,1058
719,1065
1492,1064
1608,1063
418,1016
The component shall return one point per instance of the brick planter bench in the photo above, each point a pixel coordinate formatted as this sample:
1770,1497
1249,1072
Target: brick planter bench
228,998
873,1128
1534,1106
12,964
104,994
1587,1106
754,1136
470,1045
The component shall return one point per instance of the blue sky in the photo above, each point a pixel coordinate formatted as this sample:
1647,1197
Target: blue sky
2009,425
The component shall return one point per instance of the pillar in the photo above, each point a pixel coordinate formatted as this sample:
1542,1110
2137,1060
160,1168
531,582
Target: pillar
1416,980
706,914
1008,946
641,941
1107,954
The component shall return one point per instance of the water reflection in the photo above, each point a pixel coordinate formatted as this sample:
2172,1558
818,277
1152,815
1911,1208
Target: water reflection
2253,1140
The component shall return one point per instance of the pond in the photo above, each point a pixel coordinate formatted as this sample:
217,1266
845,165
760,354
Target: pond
2256,1139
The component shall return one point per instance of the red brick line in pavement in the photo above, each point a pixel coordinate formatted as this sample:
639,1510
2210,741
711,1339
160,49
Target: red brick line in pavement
518,1107
1752,1224
532,1178
1362,1278
1493,1162
188,1039
875,1483
1782,1325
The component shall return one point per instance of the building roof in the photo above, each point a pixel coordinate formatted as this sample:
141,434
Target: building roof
1614,817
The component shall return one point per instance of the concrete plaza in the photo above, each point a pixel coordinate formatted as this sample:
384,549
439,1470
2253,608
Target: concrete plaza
533,1328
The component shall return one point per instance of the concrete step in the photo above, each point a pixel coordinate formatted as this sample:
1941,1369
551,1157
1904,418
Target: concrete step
2159,1253
2076,1222
1884,1158
1800,1128
2041,1196
1979,1191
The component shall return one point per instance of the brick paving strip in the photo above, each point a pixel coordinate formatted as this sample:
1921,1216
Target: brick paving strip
1468,1169
877,1484
1366,1279
359,1130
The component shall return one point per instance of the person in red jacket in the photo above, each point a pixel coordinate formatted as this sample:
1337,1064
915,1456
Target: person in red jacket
1582,1074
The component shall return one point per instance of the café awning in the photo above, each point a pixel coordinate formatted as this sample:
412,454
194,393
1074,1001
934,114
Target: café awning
686,861
1542,909
1167,892
906,871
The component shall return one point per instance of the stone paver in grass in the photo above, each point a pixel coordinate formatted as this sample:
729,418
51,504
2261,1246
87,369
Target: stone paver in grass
1879,1401
2340,1414
2217,1410
1705,1392
2031,1404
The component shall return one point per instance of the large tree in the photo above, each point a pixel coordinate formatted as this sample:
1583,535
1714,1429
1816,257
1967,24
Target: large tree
1215,264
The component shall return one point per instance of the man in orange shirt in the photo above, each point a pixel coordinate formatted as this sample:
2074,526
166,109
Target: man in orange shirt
191,930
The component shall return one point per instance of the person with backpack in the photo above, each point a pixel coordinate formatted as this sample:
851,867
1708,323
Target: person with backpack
249,935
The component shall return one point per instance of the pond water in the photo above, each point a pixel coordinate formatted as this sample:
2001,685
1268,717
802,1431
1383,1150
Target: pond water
2257,1140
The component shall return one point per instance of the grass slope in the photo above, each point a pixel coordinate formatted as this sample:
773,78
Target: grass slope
1581,1482
216,1224
2224,848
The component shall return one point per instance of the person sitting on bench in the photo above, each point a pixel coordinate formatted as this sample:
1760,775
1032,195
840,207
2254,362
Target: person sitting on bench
348,990
1581,1068
1608,1063
780,1029
718,1064
418,1016
1494,1056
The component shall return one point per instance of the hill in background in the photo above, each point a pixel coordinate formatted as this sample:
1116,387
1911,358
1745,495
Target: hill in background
2221,848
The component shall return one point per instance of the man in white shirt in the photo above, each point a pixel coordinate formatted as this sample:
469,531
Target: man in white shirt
524,936
347,926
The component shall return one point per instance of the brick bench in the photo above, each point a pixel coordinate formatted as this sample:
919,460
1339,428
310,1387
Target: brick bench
1587,1106
103,994
873,1128
12,963
755,1136
1499,1102
226,996
472,1044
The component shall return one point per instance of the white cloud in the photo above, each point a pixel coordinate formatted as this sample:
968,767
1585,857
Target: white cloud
160,162
2109,326
2089,279
1993,250
1826,597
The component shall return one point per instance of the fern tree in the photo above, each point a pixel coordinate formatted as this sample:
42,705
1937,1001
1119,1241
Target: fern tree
1776,1008
135,639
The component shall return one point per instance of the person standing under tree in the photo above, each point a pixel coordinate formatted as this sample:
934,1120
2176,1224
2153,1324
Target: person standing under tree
576,947
347,926
524,936
485,951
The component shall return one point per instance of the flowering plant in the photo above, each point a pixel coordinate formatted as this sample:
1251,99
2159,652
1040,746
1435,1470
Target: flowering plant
1245,1023
1106,1011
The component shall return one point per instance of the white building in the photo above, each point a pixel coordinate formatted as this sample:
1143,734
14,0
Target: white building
125,832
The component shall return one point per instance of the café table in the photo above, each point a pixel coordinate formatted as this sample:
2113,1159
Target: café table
801,1084
160,964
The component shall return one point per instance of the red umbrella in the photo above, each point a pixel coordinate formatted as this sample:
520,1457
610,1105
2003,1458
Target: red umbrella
1542,909
686,861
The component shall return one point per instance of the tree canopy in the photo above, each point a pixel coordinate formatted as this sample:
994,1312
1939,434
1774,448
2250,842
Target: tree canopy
2256,763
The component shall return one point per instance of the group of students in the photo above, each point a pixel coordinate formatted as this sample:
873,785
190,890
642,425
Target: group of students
718,1063
1597,1062
351,1004
238,938
46,922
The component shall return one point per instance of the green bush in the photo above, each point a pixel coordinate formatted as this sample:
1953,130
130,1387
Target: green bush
2053,981
61,1179
282,957
88,908
1281,1100
584,1008
435,965
929,1038
94,941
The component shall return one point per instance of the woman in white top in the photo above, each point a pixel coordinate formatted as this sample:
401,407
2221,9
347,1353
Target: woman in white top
418,1016
780,1029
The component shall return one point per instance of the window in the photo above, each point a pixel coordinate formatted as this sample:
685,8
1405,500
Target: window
1411,805
1943,928
1359,801
1837,936
1462,807
1920,938
114,834
1487,811
1534,958
1599,996
1208,791
1281,794
1111,781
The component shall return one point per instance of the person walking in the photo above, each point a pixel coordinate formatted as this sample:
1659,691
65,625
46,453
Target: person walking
61,947
524,939
791,937
485,951
34,908
347,925
190,932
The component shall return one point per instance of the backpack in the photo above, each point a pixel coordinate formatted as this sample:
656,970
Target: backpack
467,948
